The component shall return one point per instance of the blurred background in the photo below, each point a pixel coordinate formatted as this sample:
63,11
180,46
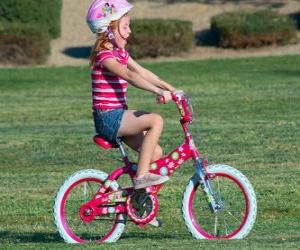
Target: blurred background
54,33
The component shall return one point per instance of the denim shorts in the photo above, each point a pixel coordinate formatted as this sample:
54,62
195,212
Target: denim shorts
107,123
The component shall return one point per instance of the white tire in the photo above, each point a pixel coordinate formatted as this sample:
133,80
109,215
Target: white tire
234,181
58,210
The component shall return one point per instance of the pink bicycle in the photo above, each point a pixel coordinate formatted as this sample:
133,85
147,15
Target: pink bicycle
218,202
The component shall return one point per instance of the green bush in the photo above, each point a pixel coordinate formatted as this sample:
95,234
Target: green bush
23,43
42,13
155,37
252,29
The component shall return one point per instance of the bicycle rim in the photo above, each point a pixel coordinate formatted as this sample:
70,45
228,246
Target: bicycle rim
228,221
97,230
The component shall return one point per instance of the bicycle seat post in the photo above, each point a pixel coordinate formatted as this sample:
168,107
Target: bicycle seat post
123,152
121,148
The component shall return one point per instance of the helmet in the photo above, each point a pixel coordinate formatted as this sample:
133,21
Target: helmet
102,12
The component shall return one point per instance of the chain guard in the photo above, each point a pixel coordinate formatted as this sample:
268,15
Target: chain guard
142,207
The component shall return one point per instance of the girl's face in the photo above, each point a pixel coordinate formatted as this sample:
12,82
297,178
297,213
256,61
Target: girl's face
122,33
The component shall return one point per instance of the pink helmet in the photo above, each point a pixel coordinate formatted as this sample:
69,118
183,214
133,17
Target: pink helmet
102,12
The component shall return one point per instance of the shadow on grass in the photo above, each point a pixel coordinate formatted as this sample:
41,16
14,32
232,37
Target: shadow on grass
78,52
287,72
9,237
282,73
157,235
12,237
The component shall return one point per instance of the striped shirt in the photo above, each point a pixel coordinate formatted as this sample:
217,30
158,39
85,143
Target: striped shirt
108,89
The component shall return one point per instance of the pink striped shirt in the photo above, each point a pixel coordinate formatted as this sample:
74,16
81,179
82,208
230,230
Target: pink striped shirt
109,90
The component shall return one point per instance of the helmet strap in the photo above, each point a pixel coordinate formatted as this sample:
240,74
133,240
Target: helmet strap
111,36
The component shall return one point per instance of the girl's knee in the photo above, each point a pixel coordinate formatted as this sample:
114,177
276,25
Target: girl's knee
157,121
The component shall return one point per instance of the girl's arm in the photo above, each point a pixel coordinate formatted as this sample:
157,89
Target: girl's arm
134,78
149,76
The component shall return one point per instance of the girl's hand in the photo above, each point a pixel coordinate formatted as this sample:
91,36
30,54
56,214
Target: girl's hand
177,91
164,97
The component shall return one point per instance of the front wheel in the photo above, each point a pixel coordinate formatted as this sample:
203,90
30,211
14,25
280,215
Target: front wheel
78,189
237,198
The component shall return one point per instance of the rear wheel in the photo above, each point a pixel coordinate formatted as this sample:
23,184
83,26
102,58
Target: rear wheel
236,196
78,189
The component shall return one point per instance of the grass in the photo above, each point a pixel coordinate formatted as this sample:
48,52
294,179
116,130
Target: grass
247,114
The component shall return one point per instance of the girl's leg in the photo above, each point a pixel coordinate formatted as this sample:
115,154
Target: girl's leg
135,142
136,122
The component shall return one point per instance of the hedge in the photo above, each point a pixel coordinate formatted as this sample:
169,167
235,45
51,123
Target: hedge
23,44
43,13
252,29
157,37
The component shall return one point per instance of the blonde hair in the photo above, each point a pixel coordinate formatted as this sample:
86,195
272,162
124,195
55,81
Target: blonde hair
102,42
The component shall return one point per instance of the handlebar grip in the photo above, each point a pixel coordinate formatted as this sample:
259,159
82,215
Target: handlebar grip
161,99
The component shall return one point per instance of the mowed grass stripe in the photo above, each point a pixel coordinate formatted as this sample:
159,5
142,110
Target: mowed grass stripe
247,114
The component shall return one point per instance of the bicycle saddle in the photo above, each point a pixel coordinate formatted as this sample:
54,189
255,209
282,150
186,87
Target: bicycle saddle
100,141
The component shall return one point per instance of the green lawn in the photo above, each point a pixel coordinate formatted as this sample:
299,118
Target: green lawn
247,114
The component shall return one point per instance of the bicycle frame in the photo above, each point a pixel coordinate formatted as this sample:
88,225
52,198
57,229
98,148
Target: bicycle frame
163,166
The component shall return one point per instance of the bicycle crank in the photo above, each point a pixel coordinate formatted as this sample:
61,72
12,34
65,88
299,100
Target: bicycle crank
141,207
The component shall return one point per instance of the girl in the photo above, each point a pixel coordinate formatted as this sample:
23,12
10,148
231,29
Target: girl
112,69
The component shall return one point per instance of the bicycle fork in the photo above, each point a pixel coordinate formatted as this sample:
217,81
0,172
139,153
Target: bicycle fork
215,205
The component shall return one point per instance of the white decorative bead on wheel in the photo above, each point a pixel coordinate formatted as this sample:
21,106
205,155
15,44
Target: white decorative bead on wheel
237,198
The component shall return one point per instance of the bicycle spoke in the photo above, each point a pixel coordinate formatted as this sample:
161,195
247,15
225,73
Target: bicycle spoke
216,224
228,212
142,210
218,184
84,191
225,224
91,236
91,190
219,198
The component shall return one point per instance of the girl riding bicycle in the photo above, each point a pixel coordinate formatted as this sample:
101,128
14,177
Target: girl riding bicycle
112,69
219,202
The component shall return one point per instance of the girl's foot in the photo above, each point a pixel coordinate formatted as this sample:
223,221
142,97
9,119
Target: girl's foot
155,222
149,179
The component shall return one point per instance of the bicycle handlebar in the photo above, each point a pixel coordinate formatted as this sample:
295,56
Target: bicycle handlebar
182,102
